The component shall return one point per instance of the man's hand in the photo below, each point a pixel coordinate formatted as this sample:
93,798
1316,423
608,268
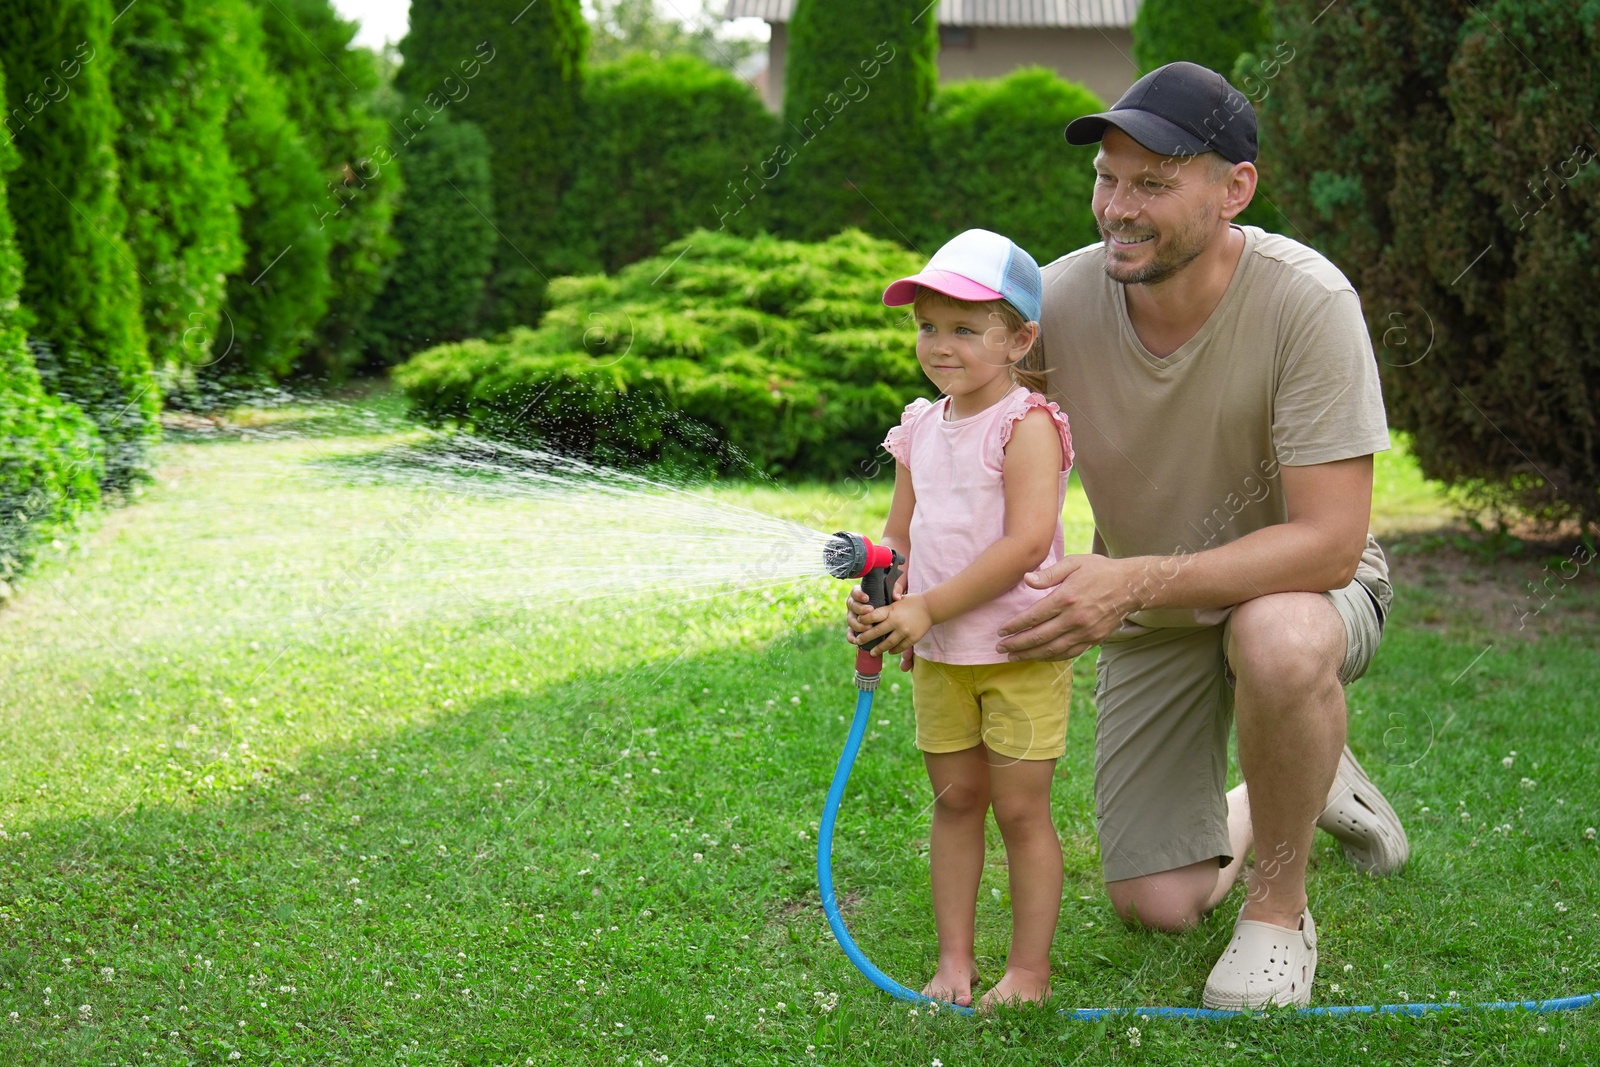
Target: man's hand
901,625
1093,594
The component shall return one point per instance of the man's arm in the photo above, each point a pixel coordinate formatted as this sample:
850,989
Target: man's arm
1329,507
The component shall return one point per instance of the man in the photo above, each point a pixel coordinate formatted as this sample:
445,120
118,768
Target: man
1225,407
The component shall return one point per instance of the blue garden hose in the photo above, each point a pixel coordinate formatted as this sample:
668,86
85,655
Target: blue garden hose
830,813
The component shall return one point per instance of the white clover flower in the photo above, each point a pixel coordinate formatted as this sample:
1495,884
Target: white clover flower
1508,761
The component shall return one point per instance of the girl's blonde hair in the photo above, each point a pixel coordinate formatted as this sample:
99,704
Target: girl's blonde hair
1030,371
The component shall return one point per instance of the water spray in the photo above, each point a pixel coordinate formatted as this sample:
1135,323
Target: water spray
850,556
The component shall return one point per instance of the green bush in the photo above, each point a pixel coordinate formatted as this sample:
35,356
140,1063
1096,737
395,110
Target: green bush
745,353
1460,192
180,188
275,302
1002,163
667,139
330,93
522,87
435,287
1212,33
80,286
859,83
50,460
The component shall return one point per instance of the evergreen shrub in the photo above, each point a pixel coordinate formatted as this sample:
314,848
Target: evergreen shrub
745,354
436,285
1459,190
1002,163
50,459
668,144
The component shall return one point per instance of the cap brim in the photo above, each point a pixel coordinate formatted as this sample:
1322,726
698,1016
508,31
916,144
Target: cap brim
947,282
1150,130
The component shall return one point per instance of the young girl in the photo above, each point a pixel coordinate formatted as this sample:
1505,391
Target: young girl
980,478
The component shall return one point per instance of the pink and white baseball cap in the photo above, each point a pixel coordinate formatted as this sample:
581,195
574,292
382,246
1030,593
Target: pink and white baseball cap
977,265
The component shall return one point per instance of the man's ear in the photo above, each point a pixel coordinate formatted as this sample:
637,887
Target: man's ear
1241,189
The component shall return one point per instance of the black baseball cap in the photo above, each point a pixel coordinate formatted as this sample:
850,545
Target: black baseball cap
1181,109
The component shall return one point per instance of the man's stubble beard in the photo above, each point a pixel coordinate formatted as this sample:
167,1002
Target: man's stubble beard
1182,249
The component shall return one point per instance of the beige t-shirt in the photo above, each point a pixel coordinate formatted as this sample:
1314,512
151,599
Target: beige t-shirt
1179,455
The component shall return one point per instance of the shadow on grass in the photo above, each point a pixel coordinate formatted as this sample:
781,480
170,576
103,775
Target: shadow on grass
633,850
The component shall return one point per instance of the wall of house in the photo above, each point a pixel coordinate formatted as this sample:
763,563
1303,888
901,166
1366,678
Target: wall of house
777,52
1100,59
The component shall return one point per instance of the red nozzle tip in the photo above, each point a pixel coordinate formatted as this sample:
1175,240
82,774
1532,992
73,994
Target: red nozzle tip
877,556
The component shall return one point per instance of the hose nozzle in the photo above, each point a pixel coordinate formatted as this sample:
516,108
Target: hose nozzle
850,555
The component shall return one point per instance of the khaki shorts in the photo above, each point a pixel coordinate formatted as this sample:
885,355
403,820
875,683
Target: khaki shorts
1164,700
1018,710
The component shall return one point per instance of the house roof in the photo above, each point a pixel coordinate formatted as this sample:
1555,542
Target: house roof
1056,14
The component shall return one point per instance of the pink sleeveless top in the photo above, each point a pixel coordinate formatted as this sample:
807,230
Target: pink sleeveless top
957,470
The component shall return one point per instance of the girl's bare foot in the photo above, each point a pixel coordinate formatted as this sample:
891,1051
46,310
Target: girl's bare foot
1017,986
952,982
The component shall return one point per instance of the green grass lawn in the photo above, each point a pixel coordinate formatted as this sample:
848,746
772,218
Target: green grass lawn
300,770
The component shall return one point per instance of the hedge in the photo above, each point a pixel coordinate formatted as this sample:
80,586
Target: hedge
50,458
669,144
1460,192
80,286
180,191
746,354
330,91
436,285
857,89
275,302
522,87
1212,33
1000,162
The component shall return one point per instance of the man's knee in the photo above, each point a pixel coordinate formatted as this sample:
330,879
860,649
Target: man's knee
1294,639
1170,900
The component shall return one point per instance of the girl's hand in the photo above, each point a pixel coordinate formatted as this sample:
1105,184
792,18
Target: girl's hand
858,606
901,625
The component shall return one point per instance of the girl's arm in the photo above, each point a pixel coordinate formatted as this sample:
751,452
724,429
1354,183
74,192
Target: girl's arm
897,528
1032,472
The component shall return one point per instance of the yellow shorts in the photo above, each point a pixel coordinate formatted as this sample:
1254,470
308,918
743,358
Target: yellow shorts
1016,709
